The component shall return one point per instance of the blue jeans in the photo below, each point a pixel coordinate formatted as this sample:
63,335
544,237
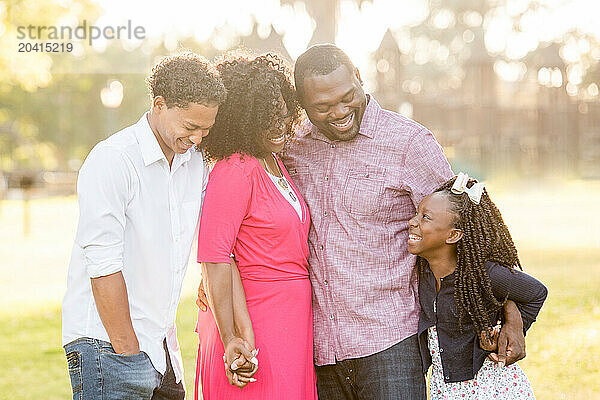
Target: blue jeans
392,374
98,373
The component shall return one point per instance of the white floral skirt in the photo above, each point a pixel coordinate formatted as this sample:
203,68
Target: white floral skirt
491,382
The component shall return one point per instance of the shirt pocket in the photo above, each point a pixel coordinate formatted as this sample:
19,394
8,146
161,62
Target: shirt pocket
302,180
363,190
299,172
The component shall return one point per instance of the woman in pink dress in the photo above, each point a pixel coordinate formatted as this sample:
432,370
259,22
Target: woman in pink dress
253,211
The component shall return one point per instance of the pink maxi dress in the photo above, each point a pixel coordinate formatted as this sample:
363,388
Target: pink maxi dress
245,214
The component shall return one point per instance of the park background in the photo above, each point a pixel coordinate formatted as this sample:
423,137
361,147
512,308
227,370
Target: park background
510,88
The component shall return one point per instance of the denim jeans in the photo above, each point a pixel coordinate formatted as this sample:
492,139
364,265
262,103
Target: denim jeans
392,374
98,373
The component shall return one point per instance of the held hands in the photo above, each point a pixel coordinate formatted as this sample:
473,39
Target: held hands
511,346
240,362
240,355
511,340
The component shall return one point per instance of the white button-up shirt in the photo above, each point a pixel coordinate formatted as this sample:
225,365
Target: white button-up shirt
137,216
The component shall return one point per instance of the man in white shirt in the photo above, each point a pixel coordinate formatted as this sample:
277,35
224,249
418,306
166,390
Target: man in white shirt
139,194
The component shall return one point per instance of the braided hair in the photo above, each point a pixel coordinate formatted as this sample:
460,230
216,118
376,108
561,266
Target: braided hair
485,238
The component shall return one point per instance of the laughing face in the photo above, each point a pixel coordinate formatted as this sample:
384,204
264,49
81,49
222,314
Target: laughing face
335,103
274,140
433,226
177,129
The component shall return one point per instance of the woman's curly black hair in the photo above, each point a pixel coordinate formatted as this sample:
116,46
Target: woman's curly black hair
485,238
254,87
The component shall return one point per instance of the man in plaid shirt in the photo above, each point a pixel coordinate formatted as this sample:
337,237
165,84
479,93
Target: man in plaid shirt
362,171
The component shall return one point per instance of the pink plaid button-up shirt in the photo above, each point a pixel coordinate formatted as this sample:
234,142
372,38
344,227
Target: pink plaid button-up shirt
361,194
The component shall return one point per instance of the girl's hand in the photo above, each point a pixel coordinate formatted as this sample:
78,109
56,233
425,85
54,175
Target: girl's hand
511,341
490,343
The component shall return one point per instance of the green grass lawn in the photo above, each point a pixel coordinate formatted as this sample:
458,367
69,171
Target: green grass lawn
562,347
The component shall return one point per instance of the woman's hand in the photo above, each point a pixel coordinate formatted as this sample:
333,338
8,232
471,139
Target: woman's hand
226,298
240,362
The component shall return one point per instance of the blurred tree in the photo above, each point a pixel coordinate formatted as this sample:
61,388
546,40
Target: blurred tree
325,13
24,73
456,67
31,70
271,43
439,68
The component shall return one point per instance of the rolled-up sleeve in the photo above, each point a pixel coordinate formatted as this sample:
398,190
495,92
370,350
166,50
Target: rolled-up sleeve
103,190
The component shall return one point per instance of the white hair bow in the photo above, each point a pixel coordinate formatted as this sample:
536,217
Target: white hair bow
460,186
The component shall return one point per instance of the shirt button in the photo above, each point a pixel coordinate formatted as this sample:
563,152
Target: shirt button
441,350
326,283
331,316
325,213
321,247
326,178
333,146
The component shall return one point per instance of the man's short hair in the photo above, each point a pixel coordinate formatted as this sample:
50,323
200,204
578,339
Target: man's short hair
186,78
320,59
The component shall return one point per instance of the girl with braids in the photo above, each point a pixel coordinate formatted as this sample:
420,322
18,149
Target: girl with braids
253,212
468,267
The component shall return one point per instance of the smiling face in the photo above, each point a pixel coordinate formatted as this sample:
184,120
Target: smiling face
177,129
274,139
432,229
335,103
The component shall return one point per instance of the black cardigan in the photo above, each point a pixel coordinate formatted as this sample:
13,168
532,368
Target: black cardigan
460,352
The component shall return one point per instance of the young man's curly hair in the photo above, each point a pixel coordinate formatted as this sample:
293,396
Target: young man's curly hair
254,88
186,78
485,238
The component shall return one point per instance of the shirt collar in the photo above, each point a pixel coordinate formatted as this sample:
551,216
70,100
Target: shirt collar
448,278
187,155
367,127
151,151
